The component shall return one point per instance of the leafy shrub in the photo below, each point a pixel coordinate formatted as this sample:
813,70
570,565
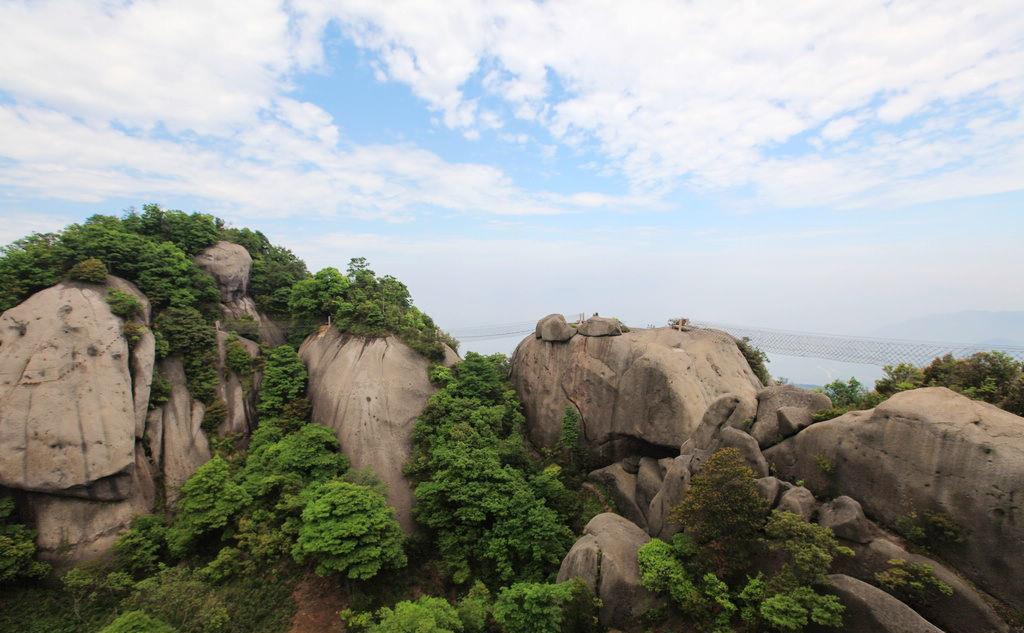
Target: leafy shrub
191,232
569,440
475,608
723,511
489,516
133,333
284,380
914,583
209,499
215,414
993,377
142,546
179,596
188,333
930,528
546,608
292,462
244,326
426,614
17,548
92,582
123,304
351,530
229,563
159,391
91,270
901,377
757,360
137,622
237,357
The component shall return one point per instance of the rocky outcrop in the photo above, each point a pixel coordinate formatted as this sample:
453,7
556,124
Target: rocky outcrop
237,392
871,610
600,326
71,397
845,517
174,432
783,410
604,558
928,450
370,391
640,393
230,265
554,329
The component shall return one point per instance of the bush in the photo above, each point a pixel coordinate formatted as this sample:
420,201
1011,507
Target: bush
913,583
208,501
141,547
901,377
237,357
123,304
475,608
91,270
426,614
159,391
993,377
724,511
546,608
178,596
289,464
244,326
187,333
284,380
930,529
351,530
133,333
137,622
215,414
757,360
17,548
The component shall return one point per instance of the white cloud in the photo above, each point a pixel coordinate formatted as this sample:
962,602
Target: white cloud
703,93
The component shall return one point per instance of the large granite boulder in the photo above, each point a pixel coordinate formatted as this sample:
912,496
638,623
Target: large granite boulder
604,558
871,610
67,413
370,391
73,399
927,450
230,265
640,393
554,329
600,326
783,410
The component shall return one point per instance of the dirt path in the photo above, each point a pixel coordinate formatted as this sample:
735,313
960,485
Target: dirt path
318,601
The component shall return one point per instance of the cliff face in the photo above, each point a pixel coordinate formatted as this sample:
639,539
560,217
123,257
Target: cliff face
70,394
230,265
640,392
370,391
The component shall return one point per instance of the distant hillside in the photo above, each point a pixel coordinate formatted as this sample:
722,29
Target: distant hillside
969,326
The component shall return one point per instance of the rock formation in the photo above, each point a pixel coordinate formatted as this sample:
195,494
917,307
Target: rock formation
871,610
237,393
370,391
69,387
934,453
604,558
640,393
783,410
230,264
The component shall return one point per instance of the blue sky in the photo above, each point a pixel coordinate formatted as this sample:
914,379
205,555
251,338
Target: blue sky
815,166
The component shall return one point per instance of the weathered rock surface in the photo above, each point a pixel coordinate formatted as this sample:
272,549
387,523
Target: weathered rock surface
600,326
782,410
928,450
966,611
772,488
554,329
718,429
370,391
845,517
641,393
673,488
239,399
800,501
67,415
621,486
605,559
230,265
174,431
871,610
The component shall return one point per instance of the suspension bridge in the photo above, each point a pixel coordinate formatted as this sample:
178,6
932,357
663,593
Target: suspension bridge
850,349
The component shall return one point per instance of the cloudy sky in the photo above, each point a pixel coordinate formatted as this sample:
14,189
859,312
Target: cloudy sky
816,165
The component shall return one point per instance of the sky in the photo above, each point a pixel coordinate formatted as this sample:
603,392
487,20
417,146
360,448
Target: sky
820,166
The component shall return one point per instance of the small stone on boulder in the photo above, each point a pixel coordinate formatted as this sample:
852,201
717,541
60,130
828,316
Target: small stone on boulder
846,518
798,500
554,329
600,326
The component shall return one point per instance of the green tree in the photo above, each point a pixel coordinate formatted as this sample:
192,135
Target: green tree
178,596
237,357
208,501
351,530
91,270
143,545
123,304
284,380
17,547
29,265
526,607
846,395
426,614
724,511
137,622
286,466
756,359
898,378
189,232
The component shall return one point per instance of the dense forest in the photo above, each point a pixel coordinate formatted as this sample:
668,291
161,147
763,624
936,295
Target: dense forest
495,515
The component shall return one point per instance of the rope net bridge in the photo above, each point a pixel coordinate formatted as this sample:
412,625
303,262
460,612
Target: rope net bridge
850,349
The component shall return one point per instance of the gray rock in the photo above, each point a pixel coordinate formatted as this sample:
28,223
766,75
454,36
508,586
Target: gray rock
66,395
928,450
724,412
649,478
798,500
770,400
673,489
174,431
604,558
143,362
620,485
871,610
239,402
747,446
600,326
846,519
554,329
966,611
370,391
644,389
229,264
772,489
792,420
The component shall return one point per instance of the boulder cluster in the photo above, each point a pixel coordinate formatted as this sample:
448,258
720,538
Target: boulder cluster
926,453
